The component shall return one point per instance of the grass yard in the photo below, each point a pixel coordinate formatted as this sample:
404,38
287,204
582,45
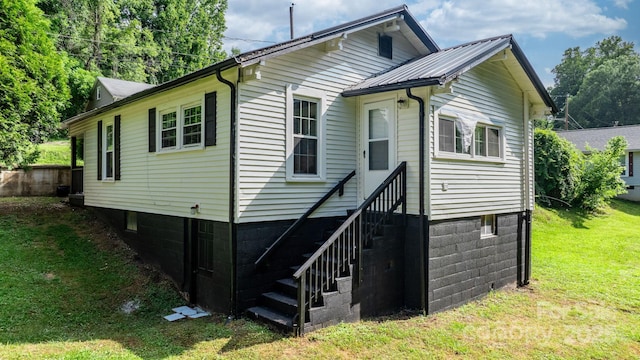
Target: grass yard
55,153
65,277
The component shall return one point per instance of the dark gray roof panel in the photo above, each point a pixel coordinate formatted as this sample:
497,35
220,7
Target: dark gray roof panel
597,138
121,88
434,68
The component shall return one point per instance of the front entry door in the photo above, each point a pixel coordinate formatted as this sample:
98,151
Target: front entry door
378,152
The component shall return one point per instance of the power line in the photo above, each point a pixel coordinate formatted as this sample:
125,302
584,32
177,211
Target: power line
120,44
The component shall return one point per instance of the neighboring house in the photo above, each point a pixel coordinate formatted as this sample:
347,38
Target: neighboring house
404,169
597,138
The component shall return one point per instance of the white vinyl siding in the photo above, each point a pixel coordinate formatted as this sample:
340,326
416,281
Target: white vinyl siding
167,183
466,187
264,193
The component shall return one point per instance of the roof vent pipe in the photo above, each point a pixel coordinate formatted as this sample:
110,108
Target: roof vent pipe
291,19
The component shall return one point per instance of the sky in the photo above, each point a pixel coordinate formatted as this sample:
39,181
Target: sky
544,29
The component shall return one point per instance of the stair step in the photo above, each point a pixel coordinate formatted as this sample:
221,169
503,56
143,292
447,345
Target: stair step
271,316
281,302
288,286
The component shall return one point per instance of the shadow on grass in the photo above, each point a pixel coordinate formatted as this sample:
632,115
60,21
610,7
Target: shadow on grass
65,280
626,206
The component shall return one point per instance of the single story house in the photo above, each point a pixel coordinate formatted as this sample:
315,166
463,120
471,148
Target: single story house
347,173
597,138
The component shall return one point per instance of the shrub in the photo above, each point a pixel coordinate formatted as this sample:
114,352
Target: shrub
558,166
600,179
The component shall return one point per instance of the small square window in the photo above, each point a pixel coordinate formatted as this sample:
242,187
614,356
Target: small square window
487,225
132,221
385,46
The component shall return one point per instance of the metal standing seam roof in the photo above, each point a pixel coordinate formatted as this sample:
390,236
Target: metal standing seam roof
445,65
120,89
432,69
597,137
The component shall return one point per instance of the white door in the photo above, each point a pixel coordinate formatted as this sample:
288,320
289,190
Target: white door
378,145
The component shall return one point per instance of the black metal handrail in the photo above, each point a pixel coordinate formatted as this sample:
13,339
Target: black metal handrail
343,250
298,223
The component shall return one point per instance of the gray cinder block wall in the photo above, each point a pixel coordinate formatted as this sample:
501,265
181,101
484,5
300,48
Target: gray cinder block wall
464,266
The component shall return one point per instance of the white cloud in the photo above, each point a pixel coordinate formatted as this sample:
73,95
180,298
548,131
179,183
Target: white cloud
446,20
464,20
623,4
269,19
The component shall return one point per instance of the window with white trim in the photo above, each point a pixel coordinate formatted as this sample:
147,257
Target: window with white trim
181,127
305,129
98,92
470,139
624,164
487,225
108,154
305,137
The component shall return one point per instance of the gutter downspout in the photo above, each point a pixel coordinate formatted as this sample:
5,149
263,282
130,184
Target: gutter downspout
529,190
232,188
422,235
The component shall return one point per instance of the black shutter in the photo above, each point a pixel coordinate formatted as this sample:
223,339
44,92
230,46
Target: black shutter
116,146
74,152
630,170
210,119
152,130
99,150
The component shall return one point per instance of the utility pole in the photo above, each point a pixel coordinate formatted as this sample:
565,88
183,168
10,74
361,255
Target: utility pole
566,113
291,19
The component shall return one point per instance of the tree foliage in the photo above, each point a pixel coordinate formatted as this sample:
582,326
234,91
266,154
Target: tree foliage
564,173
610,94
33,82
557,165
602,83
600,178
139,40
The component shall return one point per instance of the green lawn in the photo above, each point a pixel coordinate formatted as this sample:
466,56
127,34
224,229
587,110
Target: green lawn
64,279
55,153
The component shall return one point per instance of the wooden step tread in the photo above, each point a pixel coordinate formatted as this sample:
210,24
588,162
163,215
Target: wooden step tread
273,316
281,298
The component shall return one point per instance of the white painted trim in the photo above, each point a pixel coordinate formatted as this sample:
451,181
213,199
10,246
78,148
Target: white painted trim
483,121
179,108
320,97
106,124
626,165
391,102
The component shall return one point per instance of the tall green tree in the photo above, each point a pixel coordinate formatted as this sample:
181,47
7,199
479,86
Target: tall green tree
609,94
33,82
576,64
150,41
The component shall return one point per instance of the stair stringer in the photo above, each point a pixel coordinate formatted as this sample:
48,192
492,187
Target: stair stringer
338,307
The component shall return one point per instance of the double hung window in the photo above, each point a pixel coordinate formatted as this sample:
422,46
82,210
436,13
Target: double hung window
181,128
469,139
305,131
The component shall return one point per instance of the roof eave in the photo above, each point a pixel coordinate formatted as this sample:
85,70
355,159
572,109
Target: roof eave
528,69
393,87
210,70
258,55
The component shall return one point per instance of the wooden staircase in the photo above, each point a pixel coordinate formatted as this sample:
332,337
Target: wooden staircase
279,306
319,291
